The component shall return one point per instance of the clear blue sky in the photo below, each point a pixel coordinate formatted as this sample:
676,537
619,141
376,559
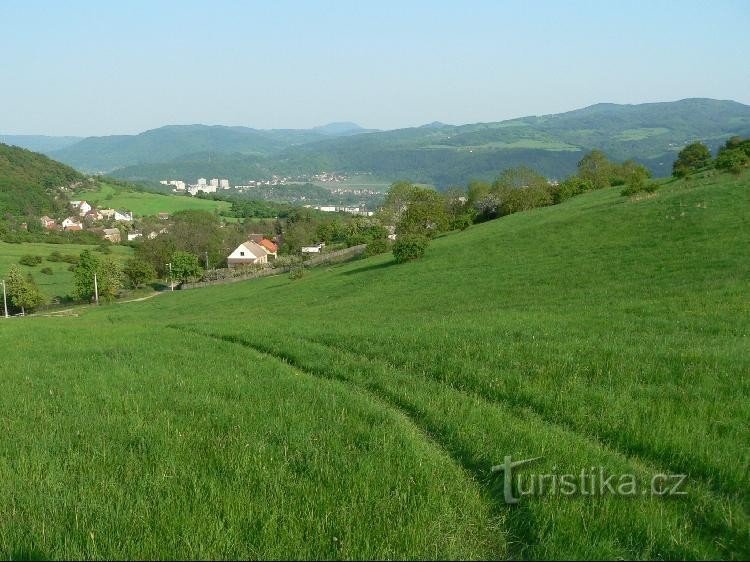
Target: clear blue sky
94,68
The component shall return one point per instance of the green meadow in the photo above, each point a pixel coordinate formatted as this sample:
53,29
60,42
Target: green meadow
357,412
60,282
144,203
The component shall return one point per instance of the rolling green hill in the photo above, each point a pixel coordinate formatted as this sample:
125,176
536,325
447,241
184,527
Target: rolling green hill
445,155
358,412
104,154
30,182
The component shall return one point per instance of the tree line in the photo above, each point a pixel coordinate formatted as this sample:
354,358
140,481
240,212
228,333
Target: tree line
733,157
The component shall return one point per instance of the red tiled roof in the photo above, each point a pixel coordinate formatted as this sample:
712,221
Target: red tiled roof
268,245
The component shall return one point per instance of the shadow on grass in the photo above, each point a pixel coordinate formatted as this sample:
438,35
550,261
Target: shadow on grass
24,553
372,267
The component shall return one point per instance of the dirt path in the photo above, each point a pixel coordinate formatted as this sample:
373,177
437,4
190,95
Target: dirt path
152,295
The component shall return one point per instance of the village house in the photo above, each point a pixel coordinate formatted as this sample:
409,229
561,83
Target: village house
82,206
163,216
72,223
107,213
48,222
135,235
248,253
270,247
93,215
113,235
123,216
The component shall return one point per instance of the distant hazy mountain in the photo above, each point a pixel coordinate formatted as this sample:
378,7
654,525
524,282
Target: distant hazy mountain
104,154
436,153
39,143
651,133
342,129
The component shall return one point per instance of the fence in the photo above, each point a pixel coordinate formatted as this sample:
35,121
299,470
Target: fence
322,259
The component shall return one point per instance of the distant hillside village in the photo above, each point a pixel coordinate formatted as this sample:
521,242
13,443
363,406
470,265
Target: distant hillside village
255,188
102,222
212,186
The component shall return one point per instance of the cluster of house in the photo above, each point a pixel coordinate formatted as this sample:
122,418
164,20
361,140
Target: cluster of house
85,211
256,250
88,215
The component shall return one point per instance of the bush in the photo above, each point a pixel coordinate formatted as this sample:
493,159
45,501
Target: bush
104,249
732,160
692,158
55,256
297,272
461,222
285,261
47,270
409,247
377,246
30,261
571,187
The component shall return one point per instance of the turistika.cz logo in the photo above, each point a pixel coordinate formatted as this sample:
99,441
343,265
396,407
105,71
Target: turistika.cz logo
592,481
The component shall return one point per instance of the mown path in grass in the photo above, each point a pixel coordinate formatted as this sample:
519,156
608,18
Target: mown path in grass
490,429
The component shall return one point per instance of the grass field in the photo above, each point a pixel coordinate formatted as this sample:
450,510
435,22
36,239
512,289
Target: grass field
357,412
147,204
60,283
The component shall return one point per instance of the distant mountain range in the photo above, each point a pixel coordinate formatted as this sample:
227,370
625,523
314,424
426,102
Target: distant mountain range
436,153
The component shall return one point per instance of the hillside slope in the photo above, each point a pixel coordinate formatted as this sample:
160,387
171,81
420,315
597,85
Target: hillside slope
357,412
29,182
446,155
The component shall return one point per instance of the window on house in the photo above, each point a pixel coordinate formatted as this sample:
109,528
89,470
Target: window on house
242,253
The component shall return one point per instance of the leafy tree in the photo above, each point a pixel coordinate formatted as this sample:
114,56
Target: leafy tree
377,246
423,213
185,266
596,169
409,247
22,292
400,194
139,272
109,278
737,142
521,189
732,160
488,206
692,158
476,191
83,276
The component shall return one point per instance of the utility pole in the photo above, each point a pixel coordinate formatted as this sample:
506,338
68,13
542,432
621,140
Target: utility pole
206,253
171,281
96,289
5,300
